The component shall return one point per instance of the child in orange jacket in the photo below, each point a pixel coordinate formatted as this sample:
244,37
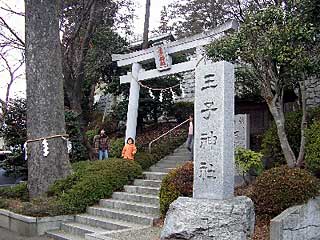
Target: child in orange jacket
129,150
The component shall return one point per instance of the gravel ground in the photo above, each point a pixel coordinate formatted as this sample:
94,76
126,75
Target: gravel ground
152,233
7,235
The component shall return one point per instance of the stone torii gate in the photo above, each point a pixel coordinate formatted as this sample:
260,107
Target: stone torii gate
162,55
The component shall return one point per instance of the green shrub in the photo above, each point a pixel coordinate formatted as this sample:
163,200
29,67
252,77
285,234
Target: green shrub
3,203
93,181
17,191
41,207
73,128
62,185
159,151
247,160
280,188
271,148
81,167
91,133
145,160
178,182
182,110
14,132
116,146
162,149
312,157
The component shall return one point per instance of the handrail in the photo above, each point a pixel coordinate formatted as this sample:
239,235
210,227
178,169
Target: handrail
166,133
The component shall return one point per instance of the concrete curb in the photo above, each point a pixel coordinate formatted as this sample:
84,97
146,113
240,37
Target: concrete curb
31,226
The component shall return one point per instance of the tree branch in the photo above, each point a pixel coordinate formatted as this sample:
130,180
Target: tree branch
14,12
12,32
11,72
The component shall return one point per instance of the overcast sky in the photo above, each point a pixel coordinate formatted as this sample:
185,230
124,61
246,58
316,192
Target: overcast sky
18,89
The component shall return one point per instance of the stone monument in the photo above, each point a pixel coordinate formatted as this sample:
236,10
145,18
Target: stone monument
213,212
242,131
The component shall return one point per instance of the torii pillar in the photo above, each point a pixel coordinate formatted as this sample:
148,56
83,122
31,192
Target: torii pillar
132,114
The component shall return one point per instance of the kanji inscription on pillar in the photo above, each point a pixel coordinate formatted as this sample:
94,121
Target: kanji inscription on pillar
214,131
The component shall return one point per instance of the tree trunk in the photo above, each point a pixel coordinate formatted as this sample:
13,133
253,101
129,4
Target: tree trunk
45,103
303,123
276,110
146,25
74,60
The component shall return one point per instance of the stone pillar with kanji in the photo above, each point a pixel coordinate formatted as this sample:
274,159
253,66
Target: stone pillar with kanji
213,212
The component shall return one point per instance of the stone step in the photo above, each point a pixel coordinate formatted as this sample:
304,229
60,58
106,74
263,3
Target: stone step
61,235
179,154
132,197
141,190
130,206
182,149
172,161
147,183
159,169
177,158
168,165
80,229
140,218
103,222
154,175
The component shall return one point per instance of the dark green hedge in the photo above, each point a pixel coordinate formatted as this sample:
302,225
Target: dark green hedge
159,151
92,181
179,182
280,188
19,191
271,148
182,110
312,157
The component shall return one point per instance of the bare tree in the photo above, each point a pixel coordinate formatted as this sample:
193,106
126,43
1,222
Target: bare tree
11,51
13,71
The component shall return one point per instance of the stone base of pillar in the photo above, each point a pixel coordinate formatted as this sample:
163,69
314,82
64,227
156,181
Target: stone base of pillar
204,219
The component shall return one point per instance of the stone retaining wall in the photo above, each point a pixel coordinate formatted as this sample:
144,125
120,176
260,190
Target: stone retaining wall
313,92
297,223
30,226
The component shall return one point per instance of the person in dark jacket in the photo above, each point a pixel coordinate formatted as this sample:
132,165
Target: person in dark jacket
101,145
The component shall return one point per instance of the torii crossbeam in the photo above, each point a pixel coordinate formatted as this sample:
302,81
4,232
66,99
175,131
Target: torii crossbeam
162,55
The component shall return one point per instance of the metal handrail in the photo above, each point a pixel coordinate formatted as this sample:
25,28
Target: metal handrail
166,133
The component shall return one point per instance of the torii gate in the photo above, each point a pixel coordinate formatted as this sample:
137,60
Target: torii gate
162,55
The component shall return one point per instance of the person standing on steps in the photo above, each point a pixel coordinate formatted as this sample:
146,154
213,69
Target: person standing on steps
101,145
129,150
190,136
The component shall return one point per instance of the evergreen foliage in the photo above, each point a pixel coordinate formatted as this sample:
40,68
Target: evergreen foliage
248,161
178,182
280,188
312,159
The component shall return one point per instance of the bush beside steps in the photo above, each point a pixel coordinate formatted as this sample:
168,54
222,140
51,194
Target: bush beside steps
90,182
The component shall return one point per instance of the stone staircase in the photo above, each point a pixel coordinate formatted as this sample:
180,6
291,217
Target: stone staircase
136,207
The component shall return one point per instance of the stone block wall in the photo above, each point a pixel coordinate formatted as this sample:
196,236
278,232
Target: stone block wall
313,92
298,222
187,86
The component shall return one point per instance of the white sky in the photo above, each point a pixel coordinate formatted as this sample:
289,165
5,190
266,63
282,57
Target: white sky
19,87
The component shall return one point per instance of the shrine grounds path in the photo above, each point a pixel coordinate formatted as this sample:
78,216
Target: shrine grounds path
7,235
146,234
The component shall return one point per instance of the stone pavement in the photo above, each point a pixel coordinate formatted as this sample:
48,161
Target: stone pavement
152,233
7,235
